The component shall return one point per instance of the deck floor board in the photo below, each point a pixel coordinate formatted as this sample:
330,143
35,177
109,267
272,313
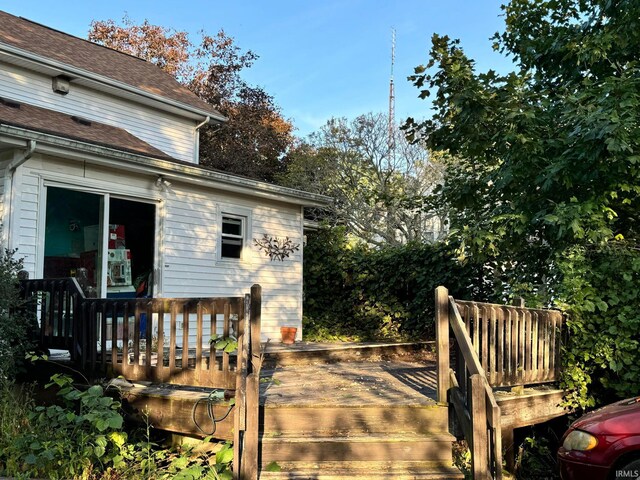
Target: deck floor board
365,382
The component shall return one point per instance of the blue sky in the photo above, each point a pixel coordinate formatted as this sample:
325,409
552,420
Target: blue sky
319,59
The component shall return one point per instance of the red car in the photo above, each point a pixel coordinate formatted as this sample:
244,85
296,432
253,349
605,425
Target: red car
604,444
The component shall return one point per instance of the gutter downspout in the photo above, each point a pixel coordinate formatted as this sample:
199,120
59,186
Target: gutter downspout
10,171
198,127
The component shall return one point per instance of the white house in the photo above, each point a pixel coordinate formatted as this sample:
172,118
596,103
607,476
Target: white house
99,169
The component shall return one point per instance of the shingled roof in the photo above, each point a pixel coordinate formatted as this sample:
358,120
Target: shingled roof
55,123
96,59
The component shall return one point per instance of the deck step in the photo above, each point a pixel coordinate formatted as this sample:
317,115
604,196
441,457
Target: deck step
366,419
418,470
358,447
306,353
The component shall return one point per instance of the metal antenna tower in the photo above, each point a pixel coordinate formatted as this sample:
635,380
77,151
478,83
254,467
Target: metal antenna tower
391,141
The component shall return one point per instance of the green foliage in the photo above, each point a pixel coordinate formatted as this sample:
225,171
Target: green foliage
273,467
546,191
228,344
15,404
601,295
362,293
462,458
83,436
16,325
536,460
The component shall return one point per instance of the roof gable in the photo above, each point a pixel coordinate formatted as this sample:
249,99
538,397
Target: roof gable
96,59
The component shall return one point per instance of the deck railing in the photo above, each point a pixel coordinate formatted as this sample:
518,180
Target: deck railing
55,303
467,390
161,340
495,346
515,345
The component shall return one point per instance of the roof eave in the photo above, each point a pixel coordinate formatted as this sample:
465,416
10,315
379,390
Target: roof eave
214,116
67,148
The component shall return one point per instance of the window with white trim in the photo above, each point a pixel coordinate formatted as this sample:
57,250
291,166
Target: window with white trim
233,235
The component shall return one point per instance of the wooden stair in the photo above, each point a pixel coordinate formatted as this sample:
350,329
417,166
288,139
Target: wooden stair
337,442
341,437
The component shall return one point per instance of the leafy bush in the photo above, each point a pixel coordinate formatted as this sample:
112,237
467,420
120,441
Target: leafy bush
83,437
600,294
16,325
363,293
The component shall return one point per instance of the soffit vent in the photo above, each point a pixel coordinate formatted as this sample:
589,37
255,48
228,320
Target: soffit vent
81,121
9,103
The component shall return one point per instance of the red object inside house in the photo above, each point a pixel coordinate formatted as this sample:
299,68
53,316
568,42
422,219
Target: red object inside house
116,236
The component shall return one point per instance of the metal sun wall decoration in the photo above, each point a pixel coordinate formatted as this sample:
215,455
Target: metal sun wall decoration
276,248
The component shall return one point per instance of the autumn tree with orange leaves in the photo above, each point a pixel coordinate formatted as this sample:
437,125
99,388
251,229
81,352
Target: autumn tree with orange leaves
255,138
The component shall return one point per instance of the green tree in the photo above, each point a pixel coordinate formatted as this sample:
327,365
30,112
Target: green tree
255,138
546,179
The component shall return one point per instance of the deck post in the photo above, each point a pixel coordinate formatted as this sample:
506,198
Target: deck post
442,343
249,462
240,416
479,441
508,442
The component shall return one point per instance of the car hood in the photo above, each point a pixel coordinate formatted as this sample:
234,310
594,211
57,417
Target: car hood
622,417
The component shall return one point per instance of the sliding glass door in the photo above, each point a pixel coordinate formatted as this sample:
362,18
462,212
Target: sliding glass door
105,241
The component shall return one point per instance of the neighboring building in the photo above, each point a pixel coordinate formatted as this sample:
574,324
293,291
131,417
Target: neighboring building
99,169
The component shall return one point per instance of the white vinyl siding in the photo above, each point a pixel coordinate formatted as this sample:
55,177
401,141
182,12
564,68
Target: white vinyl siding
192,268
171,134
26,200
188,262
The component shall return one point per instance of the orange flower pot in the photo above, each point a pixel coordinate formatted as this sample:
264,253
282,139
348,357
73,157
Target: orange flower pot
288,334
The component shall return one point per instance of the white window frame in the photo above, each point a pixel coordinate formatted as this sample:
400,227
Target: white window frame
98,188
244,215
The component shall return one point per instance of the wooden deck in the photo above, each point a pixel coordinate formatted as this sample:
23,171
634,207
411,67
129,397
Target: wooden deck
308,378
357,410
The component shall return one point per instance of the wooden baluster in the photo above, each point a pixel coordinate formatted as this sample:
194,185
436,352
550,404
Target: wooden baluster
213,364
163,372
536,359
527,351
562,337
475,326
185,339
199,321
114,336
67,316
548,349
484,322
493,345
95,313
136,335
515,329
148,331
225,334
125,338
172,339
521,339
553,366
500,370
